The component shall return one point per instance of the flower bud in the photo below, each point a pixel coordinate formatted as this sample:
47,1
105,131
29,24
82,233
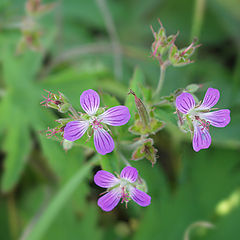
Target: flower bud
145,150
56,101
142,111
67,145
181,57
162,42
34,7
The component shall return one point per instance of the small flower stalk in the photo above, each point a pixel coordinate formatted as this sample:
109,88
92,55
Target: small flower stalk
122,188
201,116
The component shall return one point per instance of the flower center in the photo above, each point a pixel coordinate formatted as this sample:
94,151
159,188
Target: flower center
95,123
124,195
203,123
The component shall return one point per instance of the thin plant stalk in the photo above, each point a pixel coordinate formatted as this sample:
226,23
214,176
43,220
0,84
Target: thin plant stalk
197,21
161,79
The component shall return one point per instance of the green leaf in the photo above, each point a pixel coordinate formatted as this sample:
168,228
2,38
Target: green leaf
17,146
59,201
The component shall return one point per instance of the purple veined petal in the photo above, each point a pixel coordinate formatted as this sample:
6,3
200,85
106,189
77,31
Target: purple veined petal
110,200
105,179
103,141
129,173
185,102
90,101
201,138
115,116
219,118
140,197
211,98
75,130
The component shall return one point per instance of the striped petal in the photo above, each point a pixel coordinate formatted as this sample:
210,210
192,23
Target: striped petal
201,138
110,200
219,118
129,173
103,141
75,130
115,116
90,101
105,179
185,102
140,197
211,98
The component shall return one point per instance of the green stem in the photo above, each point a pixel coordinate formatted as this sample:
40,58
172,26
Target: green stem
59,201
13,216
161,79
199,10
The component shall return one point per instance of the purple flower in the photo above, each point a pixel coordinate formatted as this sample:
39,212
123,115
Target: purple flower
123,187
115,116
202,117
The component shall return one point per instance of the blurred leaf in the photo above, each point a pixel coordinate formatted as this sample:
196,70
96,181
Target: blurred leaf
59,201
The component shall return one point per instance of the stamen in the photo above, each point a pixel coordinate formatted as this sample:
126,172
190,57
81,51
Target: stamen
53,132
203,123
96,124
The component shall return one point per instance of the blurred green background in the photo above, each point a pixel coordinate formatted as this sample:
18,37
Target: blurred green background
47,193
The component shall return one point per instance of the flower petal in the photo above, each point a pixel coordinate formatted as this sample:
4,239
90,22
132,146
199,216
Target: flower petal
219,118
103,141
201,138
105,179
140,197
115,116
211,98
75,130
110,200
185,102
129,173
90,101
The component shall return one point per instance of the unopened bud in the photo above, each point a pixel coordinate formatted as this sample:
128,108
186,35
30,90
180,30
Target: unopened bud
192,88
145,150
181,57
142,111
67,145
162,42
56,101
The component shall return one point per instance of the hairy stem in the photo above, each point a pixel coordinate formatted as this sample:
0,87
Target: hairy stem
161,79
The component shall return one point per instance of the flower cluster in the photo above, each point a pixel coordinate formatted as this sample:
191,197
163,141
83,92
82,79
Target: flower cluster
167,53
124,187
201,116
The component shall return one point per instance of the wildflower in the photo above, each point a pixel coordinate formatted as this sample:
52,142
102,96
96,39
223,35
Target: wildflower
115,116
123,187
201,116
